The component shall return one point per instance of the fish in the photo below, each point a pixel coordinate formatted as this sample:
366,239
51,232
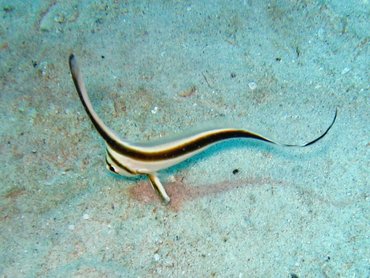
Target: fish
127,158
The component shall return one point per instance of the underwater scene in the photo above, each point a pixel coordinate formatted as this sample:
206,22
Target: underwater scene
183,138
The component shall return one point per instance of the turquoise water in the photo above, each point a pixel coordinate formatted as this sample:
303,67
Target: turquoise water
154,69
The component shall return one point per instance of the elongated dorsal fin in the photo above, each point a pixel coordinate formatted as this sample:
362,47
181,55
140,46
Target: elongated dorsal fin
109,136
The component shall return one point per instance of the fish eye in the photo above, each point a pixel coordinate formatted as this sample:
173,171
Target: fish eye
111,168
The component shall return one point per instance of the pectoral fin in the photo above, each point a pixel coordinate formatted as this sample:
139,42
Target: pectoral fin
157,185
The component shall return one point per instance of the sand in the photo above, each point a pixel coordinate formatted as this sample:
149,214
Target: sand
153,69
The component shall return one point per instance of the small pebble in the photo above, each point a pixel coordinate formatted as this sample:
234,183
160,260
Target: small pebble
252,85
85,216
71,227
345,70
155,110
157,257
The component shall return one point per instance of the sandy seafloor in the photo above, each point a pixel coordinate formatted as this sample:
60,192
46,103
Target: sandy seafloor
153,69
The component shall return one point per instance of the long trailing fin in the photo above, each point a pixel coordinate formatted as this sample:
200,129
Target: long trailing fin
318,138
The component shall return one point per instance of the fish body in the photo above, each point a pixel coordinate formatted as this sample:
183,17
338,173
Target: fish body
130,159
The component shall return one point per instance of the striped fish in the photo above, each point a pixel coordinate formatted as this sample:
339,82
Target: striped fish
130,159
